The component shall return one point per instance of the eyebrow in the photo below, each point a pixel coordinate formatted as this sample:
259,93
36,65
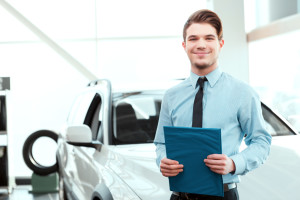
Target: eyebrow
209,35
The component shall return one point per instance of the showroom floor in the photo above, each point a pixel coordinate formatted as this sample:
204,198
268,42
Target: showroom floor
22,193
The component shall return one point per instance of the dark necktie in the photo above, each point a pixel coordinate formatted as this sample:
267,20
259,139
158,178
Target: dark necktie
198,107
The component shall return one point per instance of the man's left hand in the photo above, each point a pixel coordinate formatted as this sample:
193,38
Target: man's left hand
220,163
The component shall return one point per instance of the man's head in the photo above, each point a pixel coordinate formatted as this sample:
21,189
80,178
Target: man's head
203,41
204,16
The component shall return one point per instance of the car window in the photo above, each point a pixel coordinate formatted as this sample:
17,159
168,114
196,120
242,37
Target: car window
135,120
79,108
92,118
86,110
275,126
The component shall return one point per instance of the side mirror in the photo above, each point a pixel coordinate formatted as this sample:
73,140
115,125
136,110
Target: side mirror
81,135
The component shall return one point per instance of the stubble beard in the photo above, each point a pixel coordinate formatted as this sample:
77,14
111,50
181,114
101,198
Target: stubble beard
204,65
201,66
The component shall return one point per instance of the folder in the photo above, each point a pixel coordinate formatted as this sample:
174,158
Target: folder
190,146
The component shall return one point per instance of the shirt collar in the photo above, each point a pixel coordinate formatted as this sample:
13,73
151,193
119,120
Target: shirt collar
212,77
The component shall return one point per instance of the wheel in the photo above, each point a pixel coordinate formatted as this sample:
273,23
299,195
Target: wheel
28,156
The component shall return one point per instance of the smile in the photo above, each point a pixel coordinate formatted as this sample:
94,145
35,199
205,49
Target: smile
201,53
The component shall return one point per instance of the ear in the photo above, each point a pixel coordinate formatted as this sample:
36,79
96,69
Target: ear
184,45
221,43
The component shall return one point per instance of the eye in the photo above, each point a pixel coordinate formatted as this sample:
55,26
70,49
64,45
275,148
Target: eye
192,39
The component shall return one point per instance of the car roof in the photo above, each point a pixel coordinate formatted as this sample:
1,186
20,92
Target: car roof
143,86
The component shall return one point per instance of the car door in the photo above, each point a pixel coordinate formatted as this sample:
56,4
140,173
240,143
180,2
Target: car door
277,178
86,175
84,111
89,173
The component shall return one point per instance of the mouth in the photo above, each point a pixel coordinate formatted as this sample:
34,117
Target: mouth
201,53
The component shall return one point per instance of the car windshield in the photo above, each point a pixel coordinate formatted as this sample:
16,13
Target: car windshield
275,126
135,118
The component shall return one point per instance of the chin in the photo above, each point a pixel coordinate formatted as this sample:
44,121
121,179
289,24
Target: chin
202,66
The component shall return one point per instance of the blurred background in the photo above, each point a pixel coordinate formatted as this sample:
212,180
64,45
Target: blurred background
52,49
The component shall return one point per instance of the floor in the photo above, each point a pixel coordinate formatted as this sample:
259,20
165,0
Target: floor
23,193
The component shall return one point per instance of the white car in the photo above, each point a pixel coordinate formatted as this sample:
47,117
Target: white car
106,151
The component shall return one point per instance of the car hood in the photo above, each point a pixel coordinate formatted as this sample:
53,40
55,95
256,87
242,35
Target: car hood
135,165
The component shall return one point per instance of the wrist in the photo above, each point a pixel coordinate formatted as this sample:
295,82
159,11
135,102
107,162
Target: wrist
232,167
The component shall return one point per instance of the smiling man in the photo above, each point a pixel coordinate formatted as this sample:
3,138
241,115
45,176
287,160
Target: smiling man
226,103
202,45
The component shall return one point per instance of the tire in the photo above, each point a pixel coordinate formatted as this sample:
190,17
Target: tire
28,156
4,168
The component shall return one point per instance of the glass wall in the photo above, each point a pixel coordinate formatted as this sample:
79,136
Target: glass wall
124,41
275,70
274,56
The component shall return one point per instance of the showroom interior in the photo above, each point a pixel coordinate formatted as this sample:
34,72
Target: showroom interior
50,50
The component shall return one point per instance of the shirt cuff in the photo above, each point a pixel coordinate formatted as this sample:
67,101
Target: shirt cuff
160,153
240,164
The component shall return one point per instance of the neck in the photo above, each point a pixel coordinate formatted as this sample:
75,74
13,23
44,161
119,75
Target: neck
204,71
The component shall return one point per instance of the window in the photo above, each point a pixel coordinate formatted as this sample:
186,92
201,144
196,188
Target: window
79,109
86,110
2,114
275,126
92,117
135,119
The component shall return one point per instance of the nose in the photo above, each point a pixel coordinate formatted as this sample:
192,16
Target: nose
201,44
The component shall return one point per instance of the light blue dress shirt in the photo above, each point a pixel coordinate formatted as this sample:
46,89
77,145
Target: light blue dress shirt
229,104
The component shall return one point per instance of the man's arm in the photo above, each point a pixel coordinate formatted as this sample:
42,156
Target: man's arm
258,141
167,166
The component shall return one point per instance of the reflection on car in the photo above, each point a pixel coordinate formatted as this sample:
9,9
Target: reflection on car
106,151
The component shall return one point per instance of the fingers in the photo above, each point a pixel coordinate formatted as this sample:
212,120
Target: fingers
217,157
219,169
214,162
169,161
219,163
170,167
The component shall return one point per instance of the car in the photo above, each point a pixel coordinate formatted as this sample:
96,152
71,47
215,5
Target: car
106,151
290,109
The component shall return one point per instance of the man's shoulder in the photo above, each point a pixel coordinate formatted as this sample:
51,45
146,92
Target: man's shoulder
239,85
235,81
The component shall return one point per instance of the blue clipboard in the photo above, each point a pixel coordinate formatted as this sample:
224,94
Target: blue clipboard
190,146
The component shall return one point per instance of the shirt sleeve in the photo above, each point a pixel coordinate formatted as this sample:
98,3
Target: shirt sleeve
257,139
164,120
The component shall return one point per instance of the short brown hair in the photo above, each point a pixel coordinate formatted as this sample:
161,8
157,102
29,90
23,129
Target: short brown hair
204,16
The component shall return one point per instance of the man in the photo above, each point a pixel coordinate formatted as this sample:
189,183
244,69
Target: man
228,104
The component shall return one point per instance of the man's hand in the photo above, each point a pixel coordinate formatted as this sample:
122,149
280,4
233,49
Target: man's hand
220,163
170,167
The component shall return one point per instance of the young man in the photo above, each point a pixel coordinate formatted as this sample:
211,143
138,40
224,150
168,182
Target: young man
228,104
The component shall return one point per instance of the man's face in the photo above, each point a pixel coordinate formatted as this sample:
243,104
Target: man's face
202,46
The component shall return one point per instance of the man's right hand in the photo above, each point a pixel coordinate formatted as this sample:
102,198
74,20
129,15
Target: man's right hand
170,167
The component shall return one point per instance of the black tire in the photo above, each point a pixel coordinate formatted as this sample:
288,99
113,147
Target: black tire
4,168
28,157
2,114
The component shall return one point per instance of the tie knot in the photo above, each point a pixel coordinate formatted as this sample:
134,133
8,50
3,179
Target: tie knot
201,81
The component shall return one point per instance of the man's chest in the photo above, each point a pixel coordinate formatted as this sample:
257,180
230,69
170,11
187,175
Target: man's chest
219,109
